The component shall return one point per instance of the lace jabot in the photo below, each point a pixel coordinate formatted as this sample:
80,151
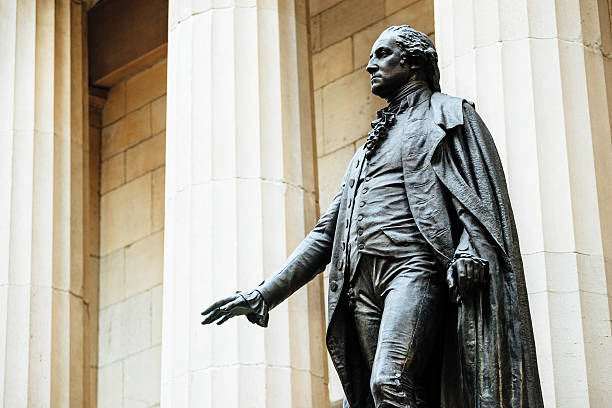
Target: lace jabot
387,115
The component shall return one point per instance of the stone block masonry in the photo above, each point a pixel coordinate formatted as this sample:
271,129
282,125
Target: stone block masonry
132,240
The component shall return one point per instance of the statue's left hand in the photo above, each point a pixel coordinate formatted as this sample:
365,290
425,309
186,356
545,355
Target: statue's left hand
224,309
471,272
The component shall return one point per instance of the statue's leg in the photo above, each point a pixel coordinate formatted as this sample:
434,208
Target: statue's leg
409,324
367,312
367,309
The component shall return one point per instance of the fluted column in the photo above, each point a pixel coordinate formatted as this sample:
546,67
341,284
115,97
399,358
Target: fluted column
240,195
539,72
43,163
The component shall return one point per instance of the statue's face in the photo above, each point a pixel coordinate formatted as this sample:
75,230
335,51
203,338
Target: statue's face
388,72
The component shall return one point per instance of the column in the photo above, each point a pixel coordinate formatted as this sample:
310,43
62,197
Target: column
97,99
539,72
44,288
240,195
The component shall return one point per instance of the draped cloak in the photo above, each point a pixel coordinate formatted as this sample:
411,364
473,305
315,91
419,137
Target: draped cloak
494,355
485,354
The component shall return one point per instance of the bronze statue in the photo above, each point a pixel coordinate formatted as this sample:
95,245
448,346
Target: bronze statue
422,213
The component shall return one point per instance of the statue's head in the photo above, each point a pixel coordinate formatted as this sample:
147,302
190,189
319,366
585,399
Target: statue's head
402,54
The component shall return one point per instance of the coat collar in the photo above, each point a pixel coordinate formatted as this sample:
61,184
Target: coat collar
447,111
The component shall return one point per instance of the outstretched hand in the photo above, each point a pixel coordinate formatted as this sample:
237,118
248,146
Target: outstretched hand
224,309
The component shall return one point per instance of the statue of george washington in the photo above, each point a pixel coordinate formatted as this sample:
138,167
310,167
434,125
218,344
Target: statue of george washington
427,298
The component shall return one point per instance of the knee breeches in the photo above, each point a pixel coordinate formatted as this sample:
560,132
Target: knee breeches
396,312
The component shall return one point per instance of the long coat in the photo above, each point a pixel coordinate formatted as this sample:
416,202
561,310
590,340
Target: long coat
454,180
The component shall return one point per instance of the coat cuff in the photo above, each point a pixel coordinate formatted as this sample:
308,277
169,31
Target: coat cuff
257,304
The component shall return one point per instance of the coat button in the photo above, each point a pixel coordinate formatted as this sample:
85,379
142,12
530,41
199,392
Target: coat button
352,182
368,178
361,204
333,286
361,246
360,217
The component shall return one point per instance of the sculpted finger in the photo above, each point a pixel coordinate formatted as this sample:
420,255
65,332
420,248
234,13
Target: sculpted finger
460,268
209,318
469,273
478,273
225,319
236,302
212,316
469,270
218,304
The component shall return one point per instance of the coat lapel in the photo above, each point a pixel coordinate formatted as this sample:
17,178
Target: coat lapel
422,187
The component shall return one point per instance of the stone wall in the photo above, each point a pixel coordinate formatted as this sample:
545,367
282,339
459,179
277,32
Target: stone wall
342,34
97,98
132,172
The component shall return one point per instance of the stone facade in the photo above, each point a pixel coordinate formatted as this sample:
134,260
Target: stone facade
132,159
90,231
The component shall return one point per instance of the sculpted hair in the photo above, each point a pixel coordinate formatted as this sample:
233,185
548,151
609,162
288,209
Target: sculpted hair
420,49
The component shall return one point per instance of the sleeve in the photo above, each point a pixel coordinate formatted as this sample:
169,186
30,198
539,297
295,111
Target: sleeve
257,304
463,159
307,260
472,237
